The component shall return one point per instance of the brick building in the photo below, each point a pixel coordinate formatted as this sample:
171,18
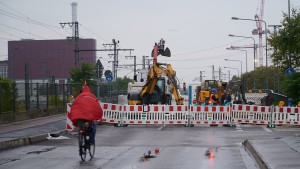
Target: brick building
46,58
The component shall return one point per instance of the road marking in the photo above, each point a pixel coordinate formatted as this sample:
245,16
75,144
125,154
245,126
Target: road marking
161,128
266,129
238,127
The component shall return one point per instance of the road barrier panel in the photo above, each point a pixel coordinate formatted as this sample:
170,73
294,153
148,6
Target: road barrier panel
250,114
193,115
69,124
286,115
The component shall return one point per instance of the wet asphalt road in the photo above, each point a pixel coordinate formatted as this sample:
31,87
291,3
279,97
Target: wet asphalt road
123,148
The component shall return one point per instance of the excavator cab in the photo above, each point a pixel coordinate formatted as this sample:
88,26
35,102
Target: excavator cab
160,93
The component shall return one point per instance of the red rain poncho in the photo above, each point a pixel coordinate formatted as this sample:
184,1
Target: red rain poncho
85,106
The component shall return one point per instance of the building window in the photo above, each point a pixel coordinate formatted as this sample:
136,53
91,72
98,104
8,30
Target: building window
3,71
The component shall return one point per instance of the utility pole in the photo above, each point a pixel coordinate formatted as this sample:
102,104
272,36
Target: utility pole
201,76
76,38
144,61
228,75
275,49
115,50
26,87
134,64
213,72
219,73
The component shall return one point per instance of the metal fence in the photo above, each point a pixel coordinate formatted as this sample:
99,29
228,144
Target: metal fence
16,97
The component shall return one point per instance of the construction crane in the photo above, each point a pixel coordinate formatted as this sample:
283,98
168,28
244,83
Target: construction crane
259,31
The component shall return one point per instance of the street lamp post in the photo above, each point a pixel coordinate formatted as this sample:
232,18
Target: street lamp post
237,61
235,18
232,48
201,76
233,68
254,45
246,59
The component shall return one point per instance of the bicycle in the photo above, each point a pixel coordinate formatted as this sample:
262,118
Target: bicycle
83,138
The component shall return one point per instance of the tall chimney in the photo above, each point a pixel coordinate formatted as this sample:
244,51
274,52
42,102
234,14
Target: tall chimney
74,16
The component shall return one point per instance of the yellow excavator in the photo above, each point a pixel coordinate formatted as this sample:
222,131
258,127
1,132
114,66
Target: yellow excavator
161,86
204,93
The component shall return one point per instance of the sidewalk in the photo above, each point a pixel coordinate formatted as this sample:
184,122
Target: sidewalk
275,153
30,131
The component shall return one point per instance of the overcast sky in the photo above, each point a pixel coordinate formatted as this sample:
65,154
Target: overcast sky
196,31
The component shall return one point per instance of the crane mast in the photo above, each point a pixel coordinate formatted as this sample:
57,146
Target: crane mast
260,32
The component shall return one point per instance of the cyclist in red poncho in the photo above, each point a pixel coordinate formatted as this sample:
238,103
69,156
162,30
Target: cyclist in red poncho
86,108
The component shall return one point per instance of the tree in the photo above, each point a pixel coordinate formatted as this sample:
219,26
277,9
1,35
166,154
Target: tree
286,54
292,86
122,84
6,94
258,78
86,72
286,42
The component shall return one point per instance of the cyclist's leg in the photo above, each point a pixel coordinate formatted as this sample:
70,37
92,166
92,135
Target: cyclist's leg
80,124
93,133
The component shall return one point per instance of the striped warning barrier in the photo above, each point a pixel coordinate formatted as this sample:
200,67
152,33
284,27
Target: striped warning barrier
250,114
69,124
210,114
286,115
182,114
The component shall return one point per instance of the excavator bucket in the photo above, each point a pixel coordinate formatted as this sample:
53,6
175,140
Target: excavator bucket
166,52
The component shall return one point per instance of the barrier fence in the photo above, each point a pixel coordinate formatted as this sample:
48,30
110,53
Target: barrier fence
183,114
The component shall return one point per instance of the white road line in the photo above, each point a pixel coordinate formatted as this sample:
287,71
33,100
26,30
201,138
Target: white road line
266,129
238,127
161,128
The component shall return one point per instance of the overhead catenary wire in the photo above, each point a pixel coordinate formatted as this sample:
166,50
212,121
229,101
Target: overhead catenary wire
24,18
207,49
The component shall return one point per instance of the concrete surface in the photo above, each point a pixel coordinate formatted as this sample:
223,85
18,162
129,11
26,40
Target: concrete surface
270,153
29,131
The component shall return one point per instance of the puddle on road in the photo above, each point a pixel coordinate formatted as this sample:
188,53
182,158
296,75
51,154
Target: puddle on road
41,151
150,154
211,152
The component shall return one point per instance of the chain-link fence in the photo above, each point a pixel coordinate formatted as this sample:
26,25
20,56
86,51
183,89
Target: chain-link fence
16,97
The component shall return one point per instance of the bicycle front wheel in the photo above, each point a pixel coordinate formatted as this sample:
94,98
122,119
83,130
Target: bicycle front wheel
82,148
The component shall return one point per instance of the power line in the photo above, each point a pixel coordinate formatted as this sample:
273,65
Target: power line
205,57
22,31
27,19
94,33
9,34
5,38
186,53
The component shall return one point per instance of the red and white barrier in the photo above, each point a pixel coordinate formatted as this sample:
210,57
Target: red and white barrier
210,114
69,124
251,114
182,114
286,115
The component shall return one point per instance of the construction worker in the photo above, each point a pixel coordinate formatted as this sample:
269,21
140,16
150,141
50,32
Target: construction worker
223,98
213,99
226,98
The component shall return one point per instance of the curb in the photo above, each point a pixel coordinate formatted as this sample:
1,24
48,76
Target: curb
248,145
22,141
9,144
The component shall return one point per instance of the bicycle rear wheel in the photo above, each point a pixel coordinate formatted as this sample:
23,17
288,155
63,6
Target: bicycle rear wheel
82,148
92,150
